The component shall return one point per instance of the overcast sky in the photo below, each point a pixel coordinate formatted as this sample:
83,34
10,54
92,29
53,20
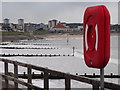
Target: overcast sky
37,12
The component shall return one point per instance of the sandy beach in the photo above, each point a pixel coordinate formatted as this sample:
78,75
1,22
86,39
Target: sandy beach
55,63
14,37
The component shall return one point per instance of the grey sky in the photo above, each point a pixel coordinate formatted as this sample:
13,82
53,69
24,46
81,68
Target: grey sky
60,0
119,14
38,12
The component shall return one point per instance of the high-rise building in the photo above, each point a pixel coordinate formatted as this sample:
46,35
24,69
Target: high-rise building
52,23
6,25
6,21
49,24
20,26
20,22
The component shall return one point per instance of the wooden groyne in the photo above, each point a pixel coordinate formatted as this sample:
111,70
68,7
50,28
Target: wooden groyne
43,44
68,77
40,76
35,55
27,48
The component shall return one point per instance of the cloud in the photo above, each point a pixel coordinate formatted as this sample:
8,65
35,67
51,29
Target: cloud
38,12
60,0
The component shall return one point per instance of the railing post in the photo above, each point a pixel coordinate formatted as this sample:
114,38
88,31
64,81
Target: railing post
46,80
67,82
95,86
16,74
29,71
6,73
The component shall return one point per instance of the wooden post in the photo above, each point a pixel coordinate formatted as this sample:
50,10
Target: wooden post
6,73
67,83
73,50
95,86
46,80
29,71
16,74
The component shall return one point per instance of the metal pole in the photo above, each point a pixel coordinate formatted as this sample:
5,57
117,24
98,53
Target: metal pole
102,78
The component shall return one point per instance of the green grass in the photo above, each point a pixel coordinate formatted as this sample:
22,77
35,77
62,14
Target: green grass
35,32
41,32
12,32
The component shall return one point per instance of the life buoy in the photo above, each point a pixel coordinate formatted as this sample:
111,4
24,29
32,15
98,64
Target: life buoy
96,36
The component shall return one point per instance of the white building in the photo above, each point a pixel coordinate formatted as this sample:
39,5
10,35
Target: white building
20,22
61,28
6,21
80,28
52,23
20,26
0,26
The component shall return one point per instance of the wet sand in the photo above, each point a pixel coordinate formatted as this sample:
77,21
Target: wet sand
14,37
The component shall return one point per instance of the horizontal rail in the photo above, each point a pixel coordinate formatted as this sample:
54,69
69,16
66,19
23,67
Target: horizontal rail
65,75
39,76
97,82
21,82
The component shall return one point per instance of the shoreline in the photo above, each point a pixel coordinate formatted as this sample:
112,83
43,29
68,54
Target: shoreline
8,37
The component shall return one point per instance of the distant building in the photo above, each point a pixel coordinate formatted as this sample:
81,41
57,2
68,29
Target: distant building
41,26
6,25
80,28
59,27
20,25
21,22
52,23
1,24
29,27
63,23
66,27
75,26
13,27
115,28
6,21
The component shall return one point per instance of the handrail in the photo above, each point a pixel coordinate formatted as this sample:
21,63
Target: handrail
67,76
21,82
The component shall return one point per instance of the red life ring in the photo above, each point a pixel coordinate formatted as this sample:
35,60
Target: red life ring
96,36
